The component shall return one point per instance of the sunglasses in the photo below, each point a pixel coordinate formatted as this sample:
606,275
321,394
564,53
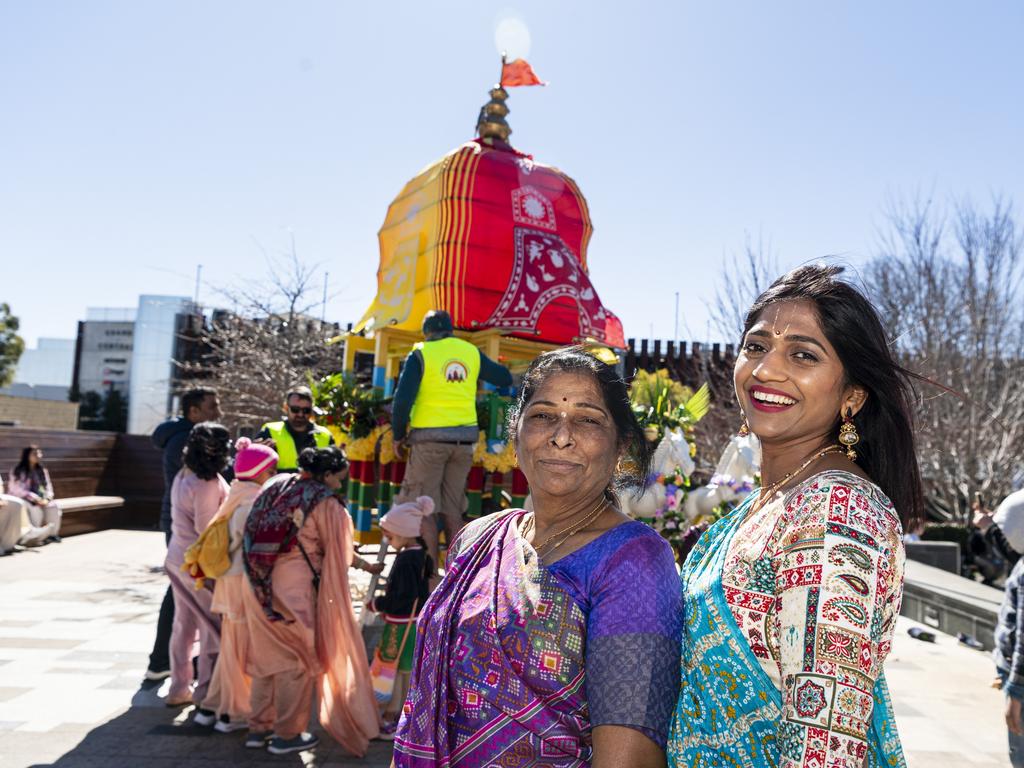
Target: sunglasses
298,409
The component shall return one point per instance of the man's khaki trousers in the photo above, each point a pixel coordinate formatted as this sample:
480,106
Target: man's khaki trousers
438,470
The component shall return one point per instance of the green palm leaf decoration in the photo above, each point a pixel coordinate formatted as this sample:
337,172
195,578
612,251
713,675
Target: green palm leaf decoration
699,404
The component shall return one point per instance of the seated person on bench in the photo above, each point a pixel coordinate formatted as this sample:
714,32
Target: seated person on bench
30,481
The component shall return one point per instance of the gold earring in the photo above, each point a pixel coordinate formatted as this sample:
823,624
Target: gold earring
744,429
848,435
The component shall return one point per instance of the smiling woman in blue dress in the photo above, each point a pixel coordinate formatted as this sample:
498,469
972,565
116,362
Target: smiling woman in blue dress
791,600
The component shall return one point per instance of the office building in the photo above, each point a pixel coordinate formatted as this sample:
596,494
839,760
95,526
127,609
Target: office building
44,373
103,354
159,324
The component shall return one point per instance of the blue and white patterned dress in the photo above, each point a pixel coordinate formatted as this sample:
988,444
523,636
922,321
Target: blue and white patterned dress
790,613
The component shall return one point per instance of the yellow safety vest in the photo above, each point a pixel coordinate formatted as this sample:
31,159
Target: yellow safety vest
447,393
284,443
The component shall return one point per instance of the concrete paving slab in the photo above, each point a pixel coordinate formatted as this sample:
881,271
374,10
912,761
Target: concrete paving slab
77,621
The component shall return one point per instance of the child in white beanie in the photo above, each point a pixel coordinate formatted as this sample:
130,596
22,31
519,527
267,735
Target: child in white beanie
407,590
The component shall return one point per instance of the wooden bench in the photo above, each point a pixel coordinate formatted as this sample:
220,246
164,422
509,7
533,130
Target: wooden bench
82,514
101,480
90,503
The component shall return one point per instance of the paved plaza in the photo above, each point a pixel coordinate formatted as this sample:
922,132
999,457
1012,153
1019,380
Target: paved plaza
77,622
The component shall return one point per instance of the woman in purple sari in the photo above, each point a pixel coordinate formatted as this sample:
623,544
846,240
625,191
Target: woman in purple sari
553,638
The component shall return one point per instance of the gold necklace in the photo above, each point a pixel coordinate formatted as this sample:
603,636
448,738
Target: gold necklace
569,529
770,491
567,536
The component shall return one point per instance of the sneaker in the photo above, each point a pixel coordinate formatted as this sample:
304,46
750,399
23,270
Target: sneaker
226,725
387,732
303,741
258,739
204,717
156,674
54,539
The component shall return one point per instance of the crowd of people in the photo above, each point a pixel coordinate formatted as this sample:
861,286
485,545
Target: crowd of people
563,636
249,643
566,635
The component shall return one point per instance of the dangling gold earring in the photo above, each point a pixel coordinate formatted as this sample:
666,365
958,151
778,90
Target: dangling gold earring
744,429
848,435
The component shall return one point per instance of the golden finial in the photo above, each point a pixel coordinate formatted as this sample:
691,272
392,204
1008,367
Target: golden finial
491,123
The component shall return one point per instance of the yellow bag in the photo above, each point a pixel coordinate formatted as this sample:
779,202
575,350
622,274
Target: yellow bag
209,556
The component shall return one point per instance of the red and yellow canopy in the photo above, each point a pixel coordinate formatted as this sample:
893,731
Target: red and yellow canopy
496,239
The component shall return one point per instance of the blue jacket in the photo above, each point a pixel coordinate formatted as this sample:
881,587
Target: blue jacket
170,437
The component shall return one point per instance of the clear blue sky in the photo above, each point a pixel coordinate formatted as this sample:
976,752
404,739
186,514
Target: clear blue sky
139,139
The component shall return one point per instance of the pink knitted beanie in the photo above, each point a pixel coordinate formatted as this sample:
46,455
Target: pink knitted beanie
252,458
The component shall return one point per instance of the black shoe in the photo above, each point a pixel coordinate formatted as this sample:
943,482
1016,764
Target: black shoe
258,739
54,540
303,741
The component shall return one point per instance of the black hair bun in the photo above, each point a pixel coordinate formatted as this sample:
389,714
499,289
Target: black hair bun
321,461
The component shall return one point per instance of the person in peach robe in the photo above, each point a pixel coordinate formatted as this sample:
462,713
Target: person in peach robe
302,629
230,686
196,495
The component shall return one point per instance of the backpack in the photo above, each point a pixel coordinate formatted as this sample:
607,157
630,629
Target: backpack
209,556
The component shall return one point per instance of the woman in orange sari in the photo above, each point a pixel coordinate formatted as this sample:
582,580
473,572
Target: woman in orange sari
302,630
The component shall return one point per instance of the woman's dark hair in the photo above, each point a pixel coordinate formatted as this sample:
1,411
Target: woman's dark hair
208,449
322,461
22,468
630,435
886,451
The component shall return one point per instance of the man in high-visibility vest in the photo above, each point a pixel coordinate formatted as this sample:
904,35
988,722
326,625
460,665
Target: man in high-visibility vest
296,432
434,419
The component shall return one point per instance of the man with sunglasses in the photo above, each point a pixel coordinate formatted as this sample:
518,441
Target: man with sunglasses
297,432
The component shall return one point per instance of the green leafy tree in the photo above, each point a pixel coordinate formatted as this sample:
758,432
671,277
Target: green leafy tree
89,407
11,345
107,412
115,411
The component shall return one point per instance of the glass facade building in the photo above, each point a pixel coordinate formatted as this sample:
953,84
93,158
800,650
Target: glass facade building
158,323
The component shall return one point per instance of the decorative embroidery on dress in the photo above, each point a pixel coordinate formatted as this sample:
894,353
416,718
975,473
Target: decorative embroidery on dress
806,593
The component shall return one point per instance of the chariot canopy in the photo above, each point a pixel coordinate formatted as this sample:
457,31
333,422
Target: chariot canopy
497,239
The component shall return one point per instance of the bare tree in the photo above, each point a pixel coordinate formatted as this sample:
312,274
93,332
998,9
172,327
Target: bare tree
268,342
949,290
745,277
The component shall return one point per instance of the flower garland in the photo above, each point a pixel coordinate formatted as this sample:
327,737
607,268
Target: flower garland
363,448
669,518
503,460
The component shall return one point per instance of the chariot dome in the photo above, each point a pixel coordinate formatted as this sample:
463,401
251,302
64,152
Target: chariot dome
497,239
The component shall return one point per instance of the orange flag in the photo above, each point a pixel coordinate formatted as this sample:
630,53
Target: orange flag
518,72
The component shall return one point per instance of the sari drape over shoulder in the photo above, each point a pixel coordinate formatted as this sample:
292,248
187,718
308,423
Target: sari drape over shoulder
516,662
319,631
789,616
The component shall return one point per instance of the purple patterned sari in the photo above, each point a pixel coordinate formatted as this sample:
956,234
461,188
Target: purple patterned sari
516,662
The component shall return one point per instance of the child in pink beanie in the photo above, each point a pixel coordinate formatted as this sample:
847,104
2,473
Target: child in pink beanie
407,590
226,706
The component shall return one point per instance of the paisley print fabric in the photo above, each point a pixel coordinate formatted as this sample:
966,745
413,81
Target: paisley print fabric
516,662
789,615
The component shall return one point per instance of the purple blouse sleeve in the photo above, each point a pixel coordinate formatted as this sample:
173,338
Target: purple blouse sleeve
633,633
